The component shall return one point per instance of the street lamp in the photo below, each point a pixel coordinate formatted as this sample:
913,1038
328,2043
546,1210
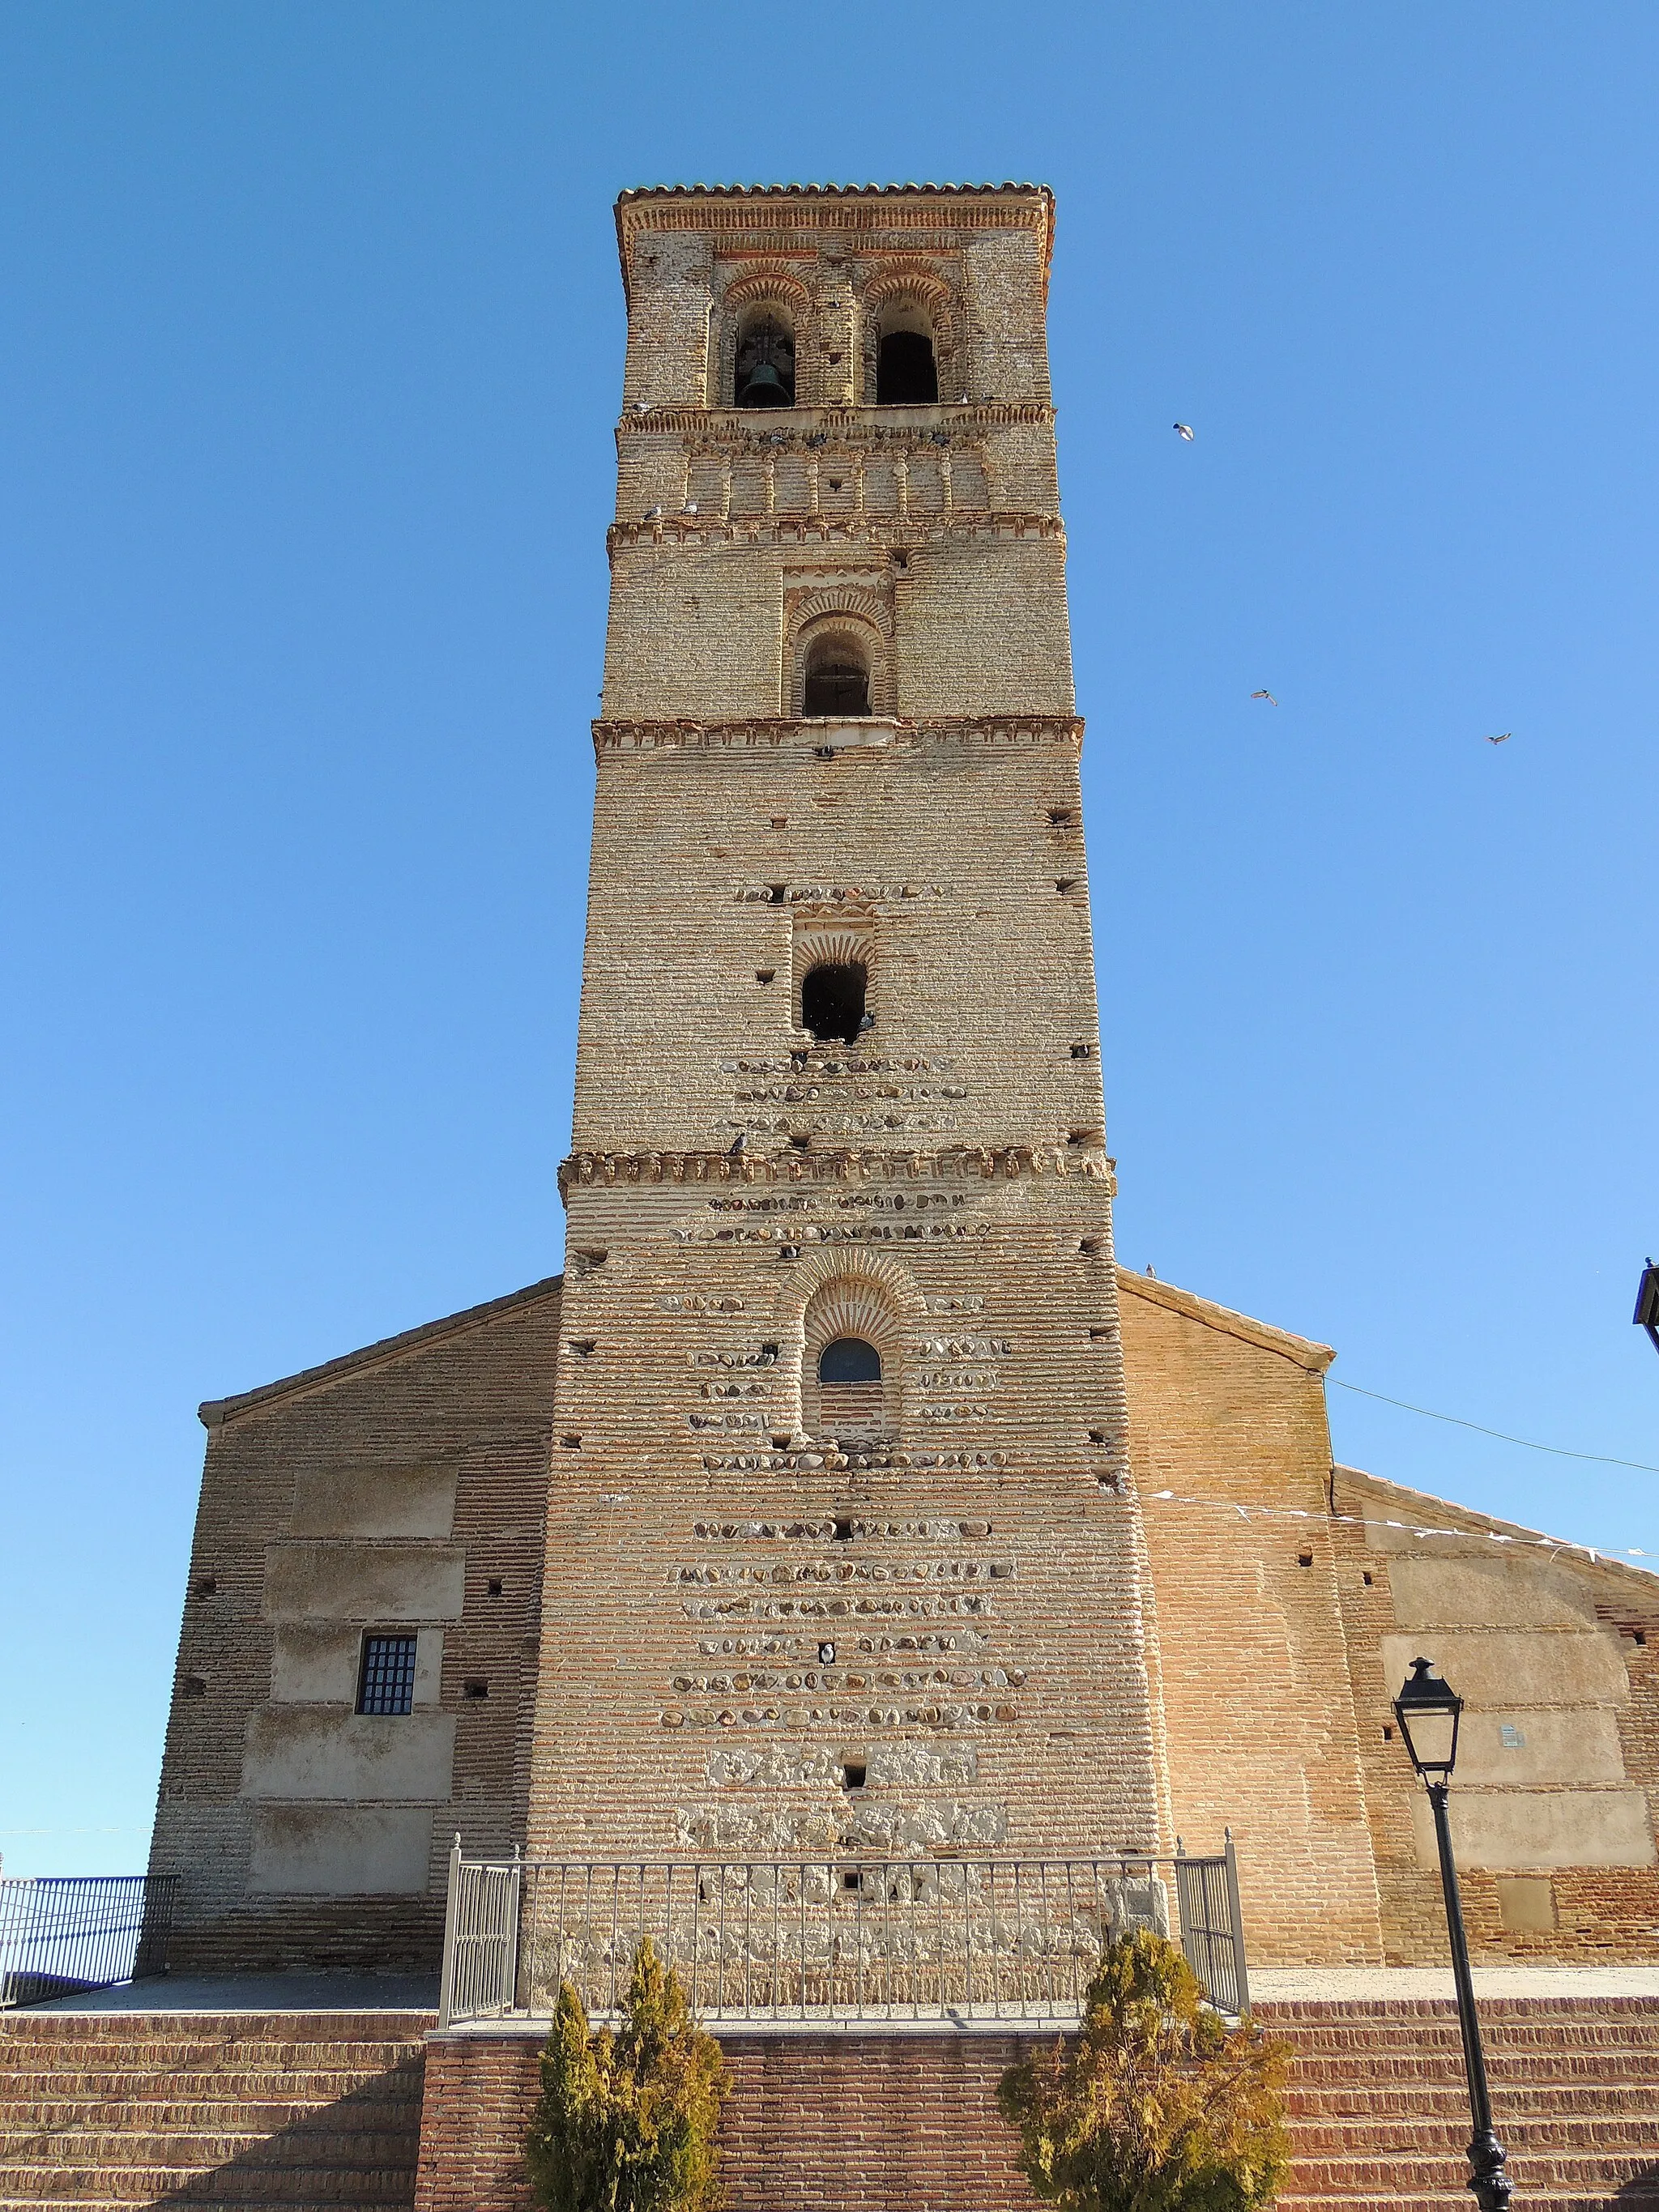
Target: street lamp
1428,1711
1647,1303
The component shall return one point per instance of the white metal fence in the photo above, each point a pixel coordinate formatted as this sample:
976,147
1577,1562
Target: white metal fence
63,1933
869,1940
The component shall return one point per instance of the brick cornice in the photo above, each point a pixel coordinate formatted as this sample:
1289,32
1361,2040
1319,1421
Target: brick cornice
670,732
817,530
729,212
835,1164
747,429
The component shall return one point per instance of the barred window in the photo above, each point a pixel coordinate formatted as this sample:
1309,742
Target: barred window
386,1685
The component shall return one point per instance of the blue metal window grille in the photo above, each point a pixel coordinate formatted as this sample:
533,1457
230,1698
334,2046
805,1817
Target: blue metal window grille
387,1685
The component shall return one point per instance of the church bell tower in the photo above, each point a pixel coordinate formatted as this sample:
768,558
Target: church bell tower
842,1551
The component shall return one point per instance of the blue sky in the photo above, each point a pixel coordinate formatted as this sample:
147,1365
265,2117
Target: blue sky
314,336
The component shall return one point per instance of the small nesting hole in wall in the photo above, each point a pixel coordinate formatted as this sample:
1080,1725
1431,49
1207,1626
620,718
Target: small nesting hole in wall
571,1444
1304,1558
1061,817
194,1685
824,752
583,1347
1638,1635
851,1878
592,1255
1365,1577
207,1585
1100,1335
780,821
843,1532
901,561
834,481
493,1588
1091,1245
1083,1052
780,1444
1096,1436
775,893
1387,1731
852,1773
800,1142
1065,883
764,974
477,1687
768,1353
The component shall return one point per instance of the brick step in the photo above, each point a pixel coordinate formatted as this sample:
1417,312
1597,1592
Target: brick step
24,2116
1509,2035
1549,2135
1599,2200
1565,2067
1358,2102
240,2183
1417,2175
323,2140
238,2077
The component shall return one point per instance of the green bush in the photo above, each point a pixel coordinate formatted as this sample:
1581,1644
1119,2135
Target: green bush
1157,2106
626,2122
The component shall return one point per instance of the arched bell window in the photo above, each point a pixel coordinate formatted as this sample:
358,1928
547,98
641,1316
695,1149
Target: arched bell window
832,1001
907,370
837,677
850,1396
764,372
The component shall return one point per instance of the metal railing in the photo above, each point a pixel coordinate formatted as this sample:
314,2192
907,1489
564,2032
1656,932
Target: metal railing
869,1940
59,1934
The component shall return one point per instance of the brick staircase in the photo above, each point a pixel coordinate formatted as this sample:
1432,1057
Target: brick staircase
1379,2114
321,2111
291,2111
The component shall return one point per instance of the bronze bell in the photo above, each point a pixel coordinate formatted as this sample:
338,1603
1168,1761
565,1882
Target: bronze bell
765,388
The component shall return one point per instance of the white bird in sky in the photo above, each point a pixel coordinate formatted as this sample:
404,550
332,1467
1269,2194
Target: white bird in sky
1501,740
1267,696
1185,430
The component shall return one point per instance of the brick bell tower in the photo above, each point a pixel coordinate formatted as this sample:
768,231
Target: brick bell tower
842,1551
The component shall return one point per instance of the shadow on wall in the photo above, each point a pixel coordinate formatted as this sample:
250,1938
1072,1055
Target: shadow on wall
1642,2189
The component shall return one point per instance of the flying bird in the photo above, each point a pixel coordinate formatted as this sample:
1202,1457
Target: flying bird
1501,740
1185,430
1267,696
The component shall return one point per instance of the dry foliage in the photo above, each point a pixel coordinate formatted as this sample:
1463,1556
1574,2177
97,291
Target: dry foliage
626,2122
1157,2106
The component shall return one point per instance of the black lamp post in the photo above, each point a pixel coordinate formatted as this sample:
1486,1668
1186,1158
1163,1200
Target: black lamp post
1647,1303
1428,1711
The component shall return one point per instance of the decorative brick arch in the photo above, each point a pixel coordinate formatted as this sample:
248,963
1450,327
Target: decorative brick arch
853,1293
920,285
860,616
766,288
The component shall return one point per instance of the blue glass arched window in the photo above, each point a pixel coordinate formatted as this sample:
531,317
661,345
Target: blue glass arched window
849,1359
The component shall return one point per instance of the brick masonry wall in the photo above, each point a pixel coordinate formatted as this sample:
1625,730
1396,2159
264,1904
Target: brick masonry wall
1581,1912
844,2123
1258,1712
472,1400
763,1607
1377,2111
